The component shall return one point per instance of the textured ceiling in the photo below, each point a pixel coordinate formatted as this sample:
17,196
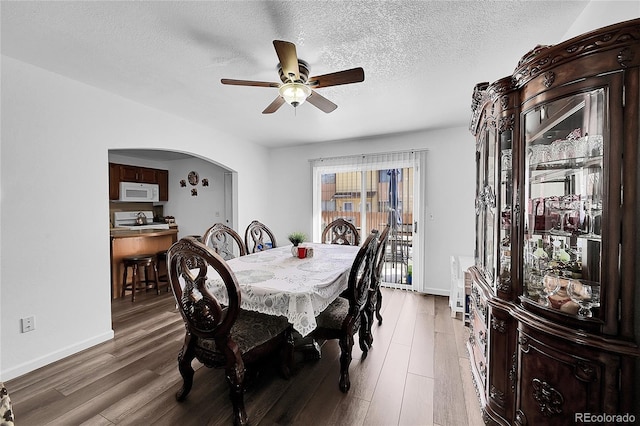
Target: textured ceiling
421,58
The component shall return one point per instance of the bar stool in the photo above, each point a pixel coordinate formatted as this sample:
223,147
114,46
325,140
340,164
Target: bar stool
163,272
137,262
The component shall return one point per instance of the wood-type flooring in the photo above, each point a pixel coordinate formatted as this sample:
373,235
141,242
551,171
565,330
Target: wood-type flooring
417,373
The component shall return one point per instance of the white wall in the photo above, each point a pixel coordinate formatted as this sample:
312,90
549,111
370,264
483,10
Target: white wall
195,214
601,13
449,195
55,138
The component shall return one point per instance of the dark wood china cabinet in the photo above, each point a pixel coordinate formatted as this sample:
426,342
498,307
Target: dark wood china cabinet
555,297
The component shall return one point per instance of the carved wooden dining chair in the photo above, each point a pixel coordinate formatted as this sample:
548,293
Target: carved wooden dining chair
221,336
258,237
224,241
340,231
343,318
374,301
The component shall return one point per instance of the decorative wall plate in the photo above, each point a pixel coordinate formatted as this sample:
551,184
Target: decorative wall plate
193,178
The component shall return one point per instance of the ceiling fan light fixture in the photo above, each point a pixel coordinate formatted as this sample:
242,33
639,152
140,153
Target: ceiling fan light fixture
294,93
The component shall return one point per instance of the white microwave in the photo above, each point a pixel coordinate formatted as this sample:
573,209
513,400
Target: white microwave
139,192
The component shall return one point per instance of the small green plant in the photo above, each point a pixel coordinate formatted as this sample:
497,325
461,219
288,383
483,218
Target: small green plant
296,238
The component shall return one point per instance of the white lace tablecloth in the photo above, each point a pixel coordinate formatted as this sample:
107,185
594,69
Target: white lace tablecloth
275,282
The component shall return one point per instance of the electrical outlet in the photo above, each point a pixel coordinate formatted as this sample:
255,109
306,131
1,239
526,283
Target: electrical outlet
28,324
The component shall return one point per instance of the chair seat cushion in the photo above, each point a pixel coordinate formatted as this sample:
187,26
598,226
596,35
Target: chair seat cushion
334,315
251,329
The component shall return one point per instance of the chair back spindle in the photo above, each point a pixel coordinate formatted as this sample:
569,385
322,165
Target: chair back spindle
340,231
258,237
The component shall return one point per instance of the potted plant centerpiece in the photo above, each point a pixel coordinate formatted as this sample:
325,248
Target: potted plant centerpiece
296,238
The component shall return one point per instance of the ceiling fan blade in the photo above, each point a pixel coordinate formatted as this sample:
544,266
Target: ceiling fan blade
273,106
288,58
321,102
248,83
354,75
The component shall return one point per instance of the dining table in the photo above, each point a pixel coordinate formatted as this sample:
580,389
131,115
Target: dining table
277,282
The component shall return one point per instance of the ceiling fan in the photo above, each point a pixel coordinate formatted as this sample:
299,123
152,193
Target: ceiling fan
297,86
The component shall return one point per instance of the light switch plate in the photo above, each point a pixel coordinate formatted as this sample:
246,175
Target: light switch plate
28,324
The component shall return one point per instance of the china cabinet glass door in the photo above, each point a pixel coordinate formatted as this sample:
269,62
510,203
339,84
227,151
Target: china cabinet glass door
480,216
563,203
504,201
490,209
486,218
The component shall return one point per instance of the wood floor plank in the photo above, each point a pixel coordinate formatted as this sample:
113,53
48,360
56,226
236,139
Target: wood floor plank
417,402
386,403
145,353
97,420
59,376
443,315
126,406
350,411
426,304
422,361
462,336
88,408
417,366
403,333
449,403
155,409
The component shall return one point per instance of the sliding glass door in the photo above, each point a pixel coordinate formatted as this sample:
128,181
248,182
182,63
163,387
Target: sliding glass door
372,191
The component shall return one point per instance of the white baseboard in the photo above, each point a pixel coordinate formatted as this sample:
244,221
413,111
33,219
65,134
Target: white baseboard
34,364
437,291
429,290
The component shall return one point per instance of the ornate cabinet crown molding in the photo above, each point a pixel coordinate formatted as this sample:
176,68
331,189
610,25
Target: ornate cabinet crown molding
542,57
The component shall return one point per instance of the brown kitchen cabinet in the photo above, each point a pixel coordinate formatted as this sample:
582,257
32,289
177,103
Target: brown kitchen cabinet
128,173
555,299
137,174
162,178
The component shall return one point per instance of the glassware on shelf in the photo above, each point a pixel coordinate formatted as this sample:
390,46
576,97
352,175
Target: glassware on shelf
539,257
540,252
581,146
559,253
594,209
535,284
550,286
562,149
539,154
567,204
595,145
586,294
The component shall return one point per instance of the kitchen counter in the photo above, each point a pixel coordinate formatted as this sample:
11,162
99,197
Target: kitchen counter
127,242
128,233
